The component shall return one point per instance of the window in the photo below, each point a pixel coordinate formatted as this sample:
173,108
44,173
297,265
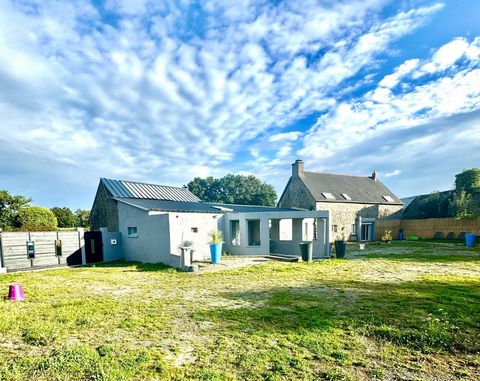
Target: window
253,228
328,195
58,248
132,232
235,232
194,230
346,196
286,230
334,228
92,246
388,198
354,229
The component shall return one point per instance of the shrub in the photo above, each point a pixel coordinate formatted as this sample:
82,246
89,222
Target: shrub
37,218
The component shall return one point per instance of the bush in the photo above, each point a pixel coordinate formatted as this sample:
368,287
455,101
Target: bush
37,218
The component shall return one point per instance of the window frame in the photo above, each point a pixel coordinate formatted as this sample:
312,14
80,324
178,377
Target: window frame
130,233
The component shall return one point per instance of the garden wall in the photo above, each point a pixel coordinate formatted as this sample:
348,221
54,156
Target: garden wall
14,251
427,228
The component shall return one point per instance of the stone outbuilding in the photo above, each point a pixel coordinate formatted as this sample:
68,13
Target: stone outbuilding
355,202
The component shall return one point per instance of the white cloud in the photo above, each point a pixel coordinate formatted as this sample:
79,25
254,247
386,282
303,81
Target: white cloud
147,93
405,68
396,172
381,109
285,136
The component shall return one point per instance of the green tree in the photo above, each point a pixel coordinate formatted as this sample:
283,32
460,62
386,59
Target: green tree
201,187
465,201
468,181
462,205
36,218
82,216
65,217
9,207
234,189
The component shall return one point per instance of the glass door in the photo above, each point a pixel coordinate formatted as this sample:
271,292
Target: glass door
366,234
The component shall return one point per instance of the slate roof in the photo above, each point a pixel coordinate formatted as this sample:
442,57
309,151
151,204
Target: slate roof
196,207
359,188
134,190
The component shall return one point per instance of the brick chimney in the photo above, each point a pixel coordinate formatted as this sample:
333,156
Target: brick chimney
297,168
374,176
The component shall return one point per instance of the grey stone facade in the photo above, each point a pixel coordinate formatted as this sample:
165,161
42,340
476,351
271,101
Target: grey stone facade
104,211
346,217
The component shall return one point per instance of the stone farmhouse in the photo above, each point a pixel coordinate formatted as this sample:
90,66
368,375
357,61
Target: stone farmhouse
354,202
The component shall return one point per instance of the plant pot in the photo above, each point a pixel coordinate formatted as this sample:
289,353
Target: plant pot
340,248
362,246
216,252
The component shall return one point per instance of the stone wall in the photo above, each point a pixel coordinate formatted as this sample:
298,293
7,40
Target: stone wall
344,215
104,212
296,195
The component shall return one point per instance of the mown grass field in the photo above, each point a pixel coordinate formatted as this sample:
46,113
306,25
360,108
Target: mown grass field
399,311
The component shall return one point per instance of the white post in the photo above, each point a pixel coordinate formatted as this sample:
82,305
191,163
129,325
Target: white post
81,243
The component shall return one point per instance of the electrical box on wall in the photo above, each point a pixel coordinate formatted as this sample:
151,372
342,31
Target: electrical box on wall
30,249
113,241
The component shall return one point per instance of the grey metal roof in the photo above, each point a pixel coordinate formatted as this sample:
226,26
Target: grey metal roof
134,190
358,188
196,207
252,208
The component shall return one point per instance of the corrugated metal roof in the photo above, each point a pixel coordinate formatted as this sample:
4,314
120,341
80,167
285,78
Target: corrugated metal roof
170,206
134,190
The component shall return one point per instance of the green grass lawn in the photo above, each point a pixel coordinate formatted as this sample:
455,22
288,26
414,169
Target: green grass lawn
399,311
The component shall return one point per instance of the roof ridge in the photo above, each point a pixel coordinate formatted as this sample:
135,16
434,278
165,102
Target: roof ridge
336,174
139,182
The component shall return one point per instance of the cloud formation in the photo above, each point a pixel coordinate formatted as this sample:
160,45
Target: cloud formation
165,91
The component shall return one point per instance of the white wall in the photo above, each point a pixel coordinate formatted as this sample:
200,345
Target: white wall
153,242
181,225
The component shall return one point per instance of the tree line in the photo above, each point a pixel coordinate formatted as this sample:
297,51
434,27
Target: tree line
233,189
16,213
461,202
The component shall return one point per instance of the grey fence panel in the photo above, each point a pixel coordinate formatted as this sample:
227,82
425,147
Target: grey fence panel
14,249
70,244
44,248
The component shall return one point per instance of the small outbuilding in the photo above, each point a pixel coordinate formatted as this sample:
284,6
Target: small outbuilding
156,223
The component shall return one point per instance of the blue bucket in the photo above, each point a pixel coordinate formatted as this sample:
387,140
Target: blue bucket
216,252
470,239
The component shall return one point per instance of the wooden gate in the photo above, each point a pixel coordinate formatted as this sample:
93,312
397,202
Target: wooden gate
93,247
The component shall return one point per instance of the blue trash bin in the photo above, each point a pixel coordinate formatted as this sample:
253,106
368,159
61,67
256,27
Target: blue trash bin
400,236
470,239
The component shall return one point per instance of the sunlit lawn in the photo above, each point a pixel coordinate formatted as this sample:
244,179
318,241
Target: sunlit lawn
406,311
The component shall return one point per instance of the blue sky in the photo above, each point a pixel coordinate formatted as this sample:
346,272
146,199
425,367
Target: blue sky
163,91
